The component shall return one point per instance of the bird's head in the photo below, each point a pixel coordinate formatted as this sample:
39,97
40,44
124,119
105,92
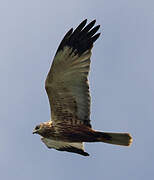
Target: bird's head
42,128
39,129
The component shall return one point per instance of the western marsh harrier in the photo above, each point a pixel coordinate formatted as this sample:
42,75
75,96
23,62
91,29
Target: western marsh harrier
68,92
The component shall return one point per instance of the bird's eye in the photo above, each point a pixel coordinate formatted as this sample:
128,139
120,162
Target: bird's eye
37,127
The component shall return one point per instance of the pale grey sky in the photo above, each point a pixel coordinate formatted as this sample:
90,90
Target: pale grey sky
121,81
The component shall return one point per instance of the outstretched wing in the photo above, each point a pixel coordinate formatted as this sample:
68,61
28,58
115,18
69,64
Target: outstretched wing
67,84
77,147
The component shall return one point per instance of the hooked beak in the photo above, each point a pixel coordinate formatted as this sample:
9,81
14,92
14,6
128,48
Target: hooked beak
34,131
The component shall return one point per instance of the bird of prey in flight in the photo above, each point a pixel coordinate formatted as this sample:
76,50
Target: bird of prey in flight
68,92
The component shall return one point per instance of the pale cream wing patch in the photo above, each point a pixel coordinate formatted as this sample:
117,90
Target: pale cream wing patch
75,147
67,86
50,143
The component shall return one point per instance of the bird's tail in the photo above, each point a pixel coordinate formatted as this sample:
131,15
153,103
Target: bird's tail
123,139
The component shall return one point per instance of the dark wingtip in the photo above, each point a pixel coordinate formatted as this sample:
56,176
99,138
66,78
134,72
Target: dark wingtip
94,21
69,33
82,38
94,38
84,21
89,26
93,31
73,150
85,154
82,24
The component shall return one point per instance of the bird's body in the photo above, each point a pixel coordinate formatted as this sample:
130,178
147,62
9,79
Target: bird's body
68,92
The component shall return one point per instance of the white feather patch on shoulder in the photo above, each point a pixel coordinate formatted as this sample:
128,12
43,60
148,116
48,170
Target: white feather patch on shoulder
60,144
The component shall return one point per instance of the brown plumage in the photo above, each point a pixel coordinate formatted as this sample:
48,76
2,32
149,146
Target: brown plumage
68,92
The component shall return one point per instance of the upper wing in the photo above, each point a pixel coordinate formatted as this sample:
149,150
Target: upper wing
66,84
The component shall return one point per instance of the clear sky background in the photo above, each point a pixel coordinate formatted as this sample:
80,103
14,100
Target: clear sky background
121,81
